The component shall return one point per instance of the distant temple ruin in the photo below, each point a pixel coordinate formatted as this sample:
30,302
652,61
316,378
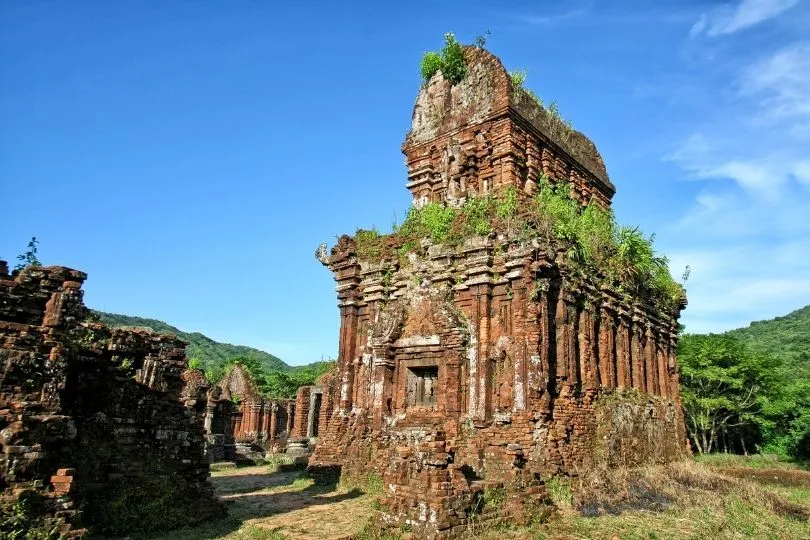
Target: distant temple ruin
494,363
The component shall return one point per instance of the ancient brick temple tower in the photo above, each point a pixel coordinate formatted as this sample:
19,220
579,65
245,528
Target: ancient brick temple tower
491,364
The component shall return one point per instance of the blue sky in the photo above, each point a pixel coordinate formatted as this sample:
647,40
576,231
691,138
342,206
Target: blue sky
190,156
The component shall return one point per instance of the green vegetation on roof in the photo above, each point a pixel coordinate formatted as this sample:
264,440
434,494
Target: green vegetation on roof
621,257
449,60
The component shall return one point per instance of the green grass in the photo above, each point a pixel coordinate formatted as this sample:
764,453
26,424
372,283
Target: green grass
559,489
798,495
754,461
303,481
229,528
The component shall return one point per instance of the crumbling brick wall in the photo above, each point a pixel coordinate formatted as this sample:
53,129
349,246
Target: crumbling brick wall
483,134
493,364
91,417
302,400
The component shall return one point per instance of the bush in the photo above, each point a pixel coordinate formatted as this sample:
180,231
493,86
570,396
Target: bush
507,206
432,220
29,257
369,243
26,519
454,67
518,77
450,61
430,65
476,214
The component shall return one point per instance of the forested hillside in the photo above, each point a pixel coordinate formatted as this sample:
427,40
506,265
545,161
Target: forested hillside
787,338
748,389
273,377
210,353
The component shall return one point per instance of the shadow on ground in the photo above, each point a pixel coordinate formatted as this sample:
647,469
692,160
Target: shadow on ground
285,501
258,505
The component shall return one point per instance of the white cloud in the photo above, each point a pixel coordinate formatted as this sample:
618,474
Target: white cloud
727,214
747,243
763,177
729,287
746,235
747,13
781,82
760,138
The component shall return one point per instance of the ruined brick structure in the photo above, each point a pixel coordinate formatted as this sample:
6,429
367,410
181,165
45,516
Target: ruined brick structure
214,412
491,365
308,408
256,420
91,417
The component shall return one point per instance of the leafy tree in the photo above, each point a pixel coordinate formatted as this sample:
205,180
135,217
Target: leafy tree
728,392
214,373
285,384
29,257
279,385
787,430
251,364
781,416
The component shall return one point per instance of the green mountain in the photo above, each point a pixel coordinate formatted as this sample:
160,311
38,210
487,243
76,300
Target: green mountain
787,338
210,353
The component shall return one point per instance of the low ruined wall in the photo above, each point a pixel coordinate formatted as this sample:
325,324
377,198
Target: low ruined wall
91,416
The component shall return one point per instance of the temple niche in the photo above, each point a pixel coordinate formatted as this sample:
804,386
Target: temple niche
491,363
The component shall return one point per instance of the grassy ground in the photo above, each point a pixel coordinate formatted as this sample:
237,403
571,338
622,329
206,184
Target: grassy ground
714,497
724,497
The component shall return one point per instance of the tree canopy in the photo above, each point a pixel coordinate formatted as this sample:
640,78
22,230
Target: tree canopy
749,389
274,384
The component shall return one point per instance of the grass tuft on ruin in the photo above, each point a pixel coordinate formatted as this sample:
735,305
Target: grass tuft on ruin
449,60
620,257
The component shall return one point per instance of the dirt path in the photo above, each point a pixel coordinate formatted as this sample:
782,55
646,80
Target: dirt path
295,508
275,505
